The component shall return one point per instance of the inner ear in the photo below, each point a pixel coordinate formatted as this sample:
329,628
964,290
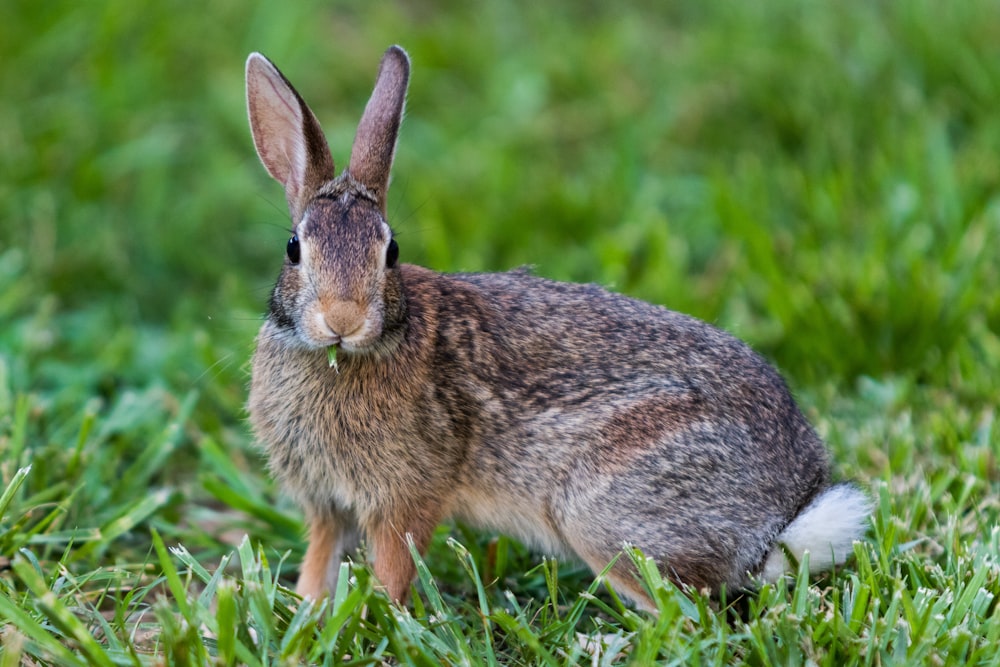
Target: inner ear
375,141
288,138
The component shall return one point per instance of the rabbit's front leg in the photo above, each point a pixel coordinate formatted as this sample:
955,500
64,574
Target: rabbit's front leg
332,534
394,567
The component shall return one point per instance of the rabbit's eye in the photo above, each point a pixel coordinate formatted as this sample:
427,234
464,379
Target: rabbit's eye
391,254
293,249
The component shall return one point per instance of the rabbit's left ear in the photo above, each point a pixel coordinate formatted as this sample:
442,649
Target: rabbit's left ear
375,141
287,135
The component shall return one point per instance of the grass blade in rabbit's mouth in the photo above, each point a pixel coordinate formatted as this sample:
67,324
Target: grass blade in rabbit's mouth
331,357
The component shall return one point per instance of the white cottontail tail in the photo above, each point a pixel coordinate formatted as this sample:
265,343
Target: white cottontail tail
572,418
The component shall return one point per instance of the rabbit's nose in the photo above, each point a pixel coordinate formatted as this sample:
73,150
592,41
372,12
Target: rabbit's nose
343,318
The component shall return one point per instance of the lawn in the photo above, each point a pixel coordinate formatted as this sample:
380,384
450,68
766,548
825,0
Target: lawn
821,179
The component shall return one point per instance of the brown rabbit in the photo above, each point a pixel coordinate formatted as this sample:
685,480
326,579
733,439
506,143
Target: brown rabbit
572,418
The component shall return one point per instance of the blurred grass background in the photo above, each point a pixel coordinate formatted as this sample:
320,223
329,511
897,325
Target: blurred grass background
803,173
820,178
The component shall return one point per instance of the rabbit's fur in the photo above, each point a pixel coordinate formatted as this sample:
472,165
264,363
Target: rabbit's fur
573,418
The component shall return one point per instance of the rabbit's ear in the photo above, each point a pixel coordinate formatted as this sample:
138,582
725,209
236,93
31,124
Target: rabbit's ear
375,142
287,135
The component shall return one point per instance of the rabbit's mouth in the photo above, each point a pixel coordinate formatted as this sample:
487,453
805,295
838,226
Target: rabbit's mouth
346,326
364,338
364,334
373,340
357,343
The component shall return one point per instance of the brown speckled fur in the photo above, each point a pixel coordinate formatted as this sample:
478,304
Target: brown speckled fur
568,416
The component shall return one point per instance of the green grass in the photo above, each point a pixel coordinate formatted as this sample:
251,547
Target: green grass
822,179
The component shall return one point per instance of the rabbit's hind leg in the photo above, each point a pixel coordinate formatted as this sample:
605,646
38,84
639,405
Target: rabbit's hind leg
622,576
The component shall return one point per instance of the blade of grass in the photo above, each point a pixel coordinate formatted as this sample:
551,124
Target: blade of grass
226,624
128,519
11,490
19,434
89,417
174,582
465,558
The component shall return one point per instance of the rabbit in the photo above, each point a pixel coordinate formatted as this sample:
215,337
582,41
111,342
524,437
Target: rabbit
390,397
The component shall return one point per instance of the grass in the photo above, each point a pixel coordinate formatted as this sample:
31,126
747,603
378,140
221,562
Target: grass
819,178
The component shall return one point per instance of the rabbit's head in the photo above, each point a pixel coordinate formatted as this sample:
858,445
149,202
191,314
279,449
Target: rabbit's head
340,282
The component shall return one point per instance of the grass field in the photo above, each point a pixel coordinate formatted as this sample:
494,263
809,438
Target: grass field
822,179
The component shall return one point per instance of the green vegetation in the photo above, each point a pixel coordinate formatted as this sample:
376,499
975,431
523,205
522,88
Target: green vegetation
823,179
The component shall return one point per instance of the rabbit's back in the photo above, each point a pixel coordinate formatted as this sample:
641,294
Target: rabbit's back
615,372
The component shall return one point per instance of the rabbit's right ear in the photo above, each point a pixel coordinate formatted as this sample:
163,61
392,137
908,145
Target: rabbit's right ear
287,135
375,141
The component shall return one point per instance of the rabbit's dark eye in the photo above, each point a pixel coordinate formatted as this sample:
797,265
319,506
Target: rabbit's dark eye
391,254
293,249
